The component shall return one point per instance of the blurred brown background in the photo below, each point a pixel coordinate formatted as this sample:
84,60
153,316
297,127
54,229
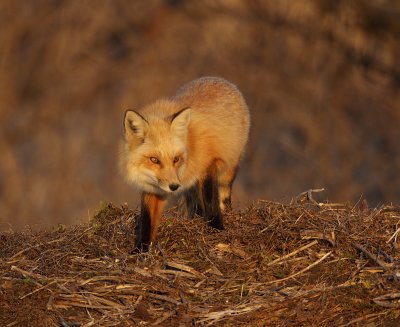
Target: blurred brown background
321,78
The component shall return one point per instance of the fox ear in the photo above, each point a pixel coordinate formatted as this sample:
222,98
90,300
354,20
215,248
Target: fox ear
180,121
135,125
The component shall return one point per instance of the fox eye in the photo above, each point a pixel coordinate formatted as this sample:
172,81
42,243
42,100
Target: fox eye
176,159
155,160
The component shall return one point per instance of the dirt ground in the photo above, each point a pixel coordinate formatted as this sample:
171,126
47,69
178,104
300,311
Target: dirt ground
302,264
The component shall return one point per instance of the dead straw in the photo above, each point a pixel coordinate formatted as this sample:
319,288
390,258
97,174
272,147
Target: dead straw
195,275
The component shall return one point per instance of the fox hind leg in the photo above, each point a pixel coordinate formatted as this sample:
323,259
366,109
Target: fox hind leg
225,180
193,201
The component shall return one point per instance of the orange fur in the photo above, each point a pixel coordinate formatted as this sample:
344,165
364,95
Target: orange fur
171,144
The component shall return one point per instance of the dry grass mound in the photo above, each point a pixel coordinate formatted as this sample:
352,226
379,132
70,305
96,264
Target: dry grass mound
302,264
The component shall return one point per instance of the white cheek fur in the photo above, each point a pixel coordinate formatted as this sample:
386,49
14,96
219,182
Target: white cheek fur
141,177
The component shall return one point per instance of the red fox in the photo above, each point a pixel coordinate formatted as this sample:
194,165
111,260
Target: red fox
190,145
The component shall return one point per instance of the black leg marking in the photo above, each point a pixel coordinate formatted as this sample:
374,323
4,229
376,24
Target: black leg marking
199,210
211,199
142,229
192,201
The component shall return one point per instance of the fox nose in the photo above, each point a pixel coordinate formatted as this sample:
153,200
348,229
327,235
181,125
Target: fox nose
173,187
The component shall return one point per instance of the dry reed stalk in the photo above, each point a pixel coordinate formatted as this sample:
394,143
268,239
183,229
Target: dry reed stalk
384,265
31,275
365,317
39,289
391,300
163,318
305,247
301,271
183,267
307,196
213,317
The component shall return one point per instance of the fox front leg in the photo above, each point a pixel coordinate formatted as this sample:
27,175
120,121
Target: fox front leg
147,223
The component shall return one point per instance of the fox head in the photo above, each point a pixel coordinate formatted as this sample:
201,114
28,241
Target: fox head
155,150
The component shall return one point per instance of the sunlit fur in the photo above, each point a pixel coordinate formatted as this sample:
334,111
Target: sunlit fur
217,131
